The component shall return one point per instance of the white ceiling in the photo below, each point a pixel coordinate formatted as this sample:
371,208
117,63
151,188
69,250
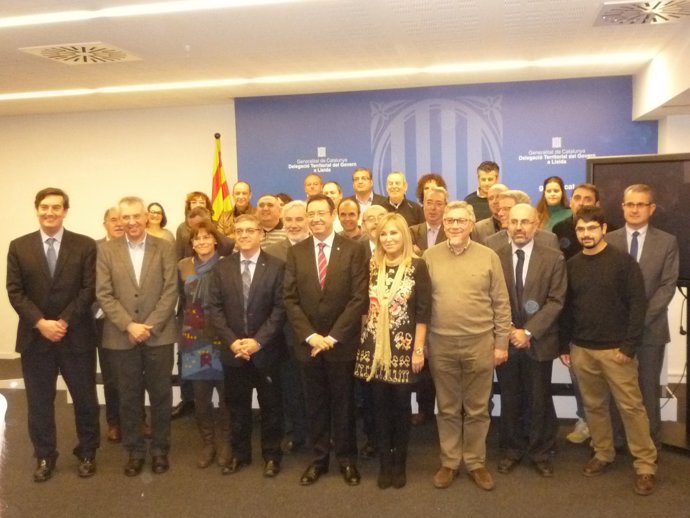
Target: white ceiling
313,36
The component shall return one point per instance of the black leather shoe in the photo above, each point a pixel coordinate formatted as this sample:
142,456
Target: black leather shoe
271,468
183,408
160,464
44,469
87,467
350,475
311,475
133,467
368,451
506,465
544,468
234,466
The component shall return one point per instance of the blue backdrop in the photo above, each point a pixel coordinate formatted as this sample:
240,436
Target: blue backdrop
531,129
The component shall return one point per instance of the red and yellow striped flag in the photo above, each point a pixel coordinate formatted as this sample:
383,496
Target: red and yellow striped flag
220,194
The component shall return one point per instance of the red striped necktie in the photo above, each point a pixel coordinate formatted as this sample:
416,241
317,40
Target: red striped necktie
323,265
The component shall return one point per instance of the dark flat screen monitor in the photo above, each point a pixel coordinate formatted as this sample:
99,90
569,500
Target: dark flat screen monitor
668,175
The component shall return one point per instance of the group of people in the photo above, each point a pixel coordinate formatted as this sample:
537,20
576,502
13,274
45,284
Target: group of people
335,304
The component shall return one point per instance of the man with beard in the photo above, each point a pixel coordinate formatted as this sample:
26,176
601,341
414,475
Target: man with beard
601,328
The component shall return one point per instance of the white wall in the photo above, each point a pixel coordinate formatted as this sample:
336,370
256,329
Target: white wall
674,137
98,157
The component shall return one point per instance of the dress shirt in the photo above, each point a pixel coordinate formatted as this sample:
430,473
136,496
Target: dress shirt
136,255
431,235
326,249
642,233
252,262
56,244
528,253
364,205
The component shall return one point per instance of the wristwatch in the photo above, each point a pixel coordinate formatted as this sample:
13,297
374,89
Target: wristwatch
529,335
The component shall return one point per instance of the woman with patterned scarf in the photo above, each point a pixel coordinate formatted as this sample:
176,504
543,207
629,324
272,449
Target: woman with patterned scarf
391,353
199,347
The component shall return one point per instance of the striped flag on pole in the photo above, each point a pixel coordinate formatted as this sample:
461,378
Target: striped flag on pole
220,194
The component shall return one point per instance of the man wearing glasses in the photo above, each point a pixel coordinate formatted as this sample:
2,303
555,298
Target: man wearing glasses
469,331
247,311
601,330
657,254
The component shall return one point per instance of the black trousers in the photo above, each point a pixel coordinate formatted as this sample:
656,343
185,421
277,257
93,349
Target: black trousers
239,384
392,408
329,396
40,368
528,423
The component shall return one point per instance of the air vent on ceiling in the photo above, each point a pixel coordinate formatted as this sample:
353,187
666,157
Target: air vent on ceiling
641,13
82,53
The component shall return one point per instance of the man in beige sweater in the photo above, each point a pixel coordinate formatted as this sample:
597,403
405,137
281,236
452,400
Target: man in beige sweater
470,325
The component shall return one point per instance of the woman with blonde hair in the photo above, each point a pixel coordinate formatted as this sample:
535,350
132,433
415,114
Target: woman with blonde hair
391,353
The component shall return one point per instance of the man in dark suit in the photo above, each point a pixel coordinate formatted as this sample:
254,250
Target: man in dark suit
425,235
246,309
657,254
363,185
294,408
50,284
537,283
325,298
136,286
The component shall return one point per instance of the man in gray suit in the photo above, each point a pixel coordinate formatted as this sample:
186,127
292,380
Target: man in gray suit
657,254
537,282
136,286
488,226
506,201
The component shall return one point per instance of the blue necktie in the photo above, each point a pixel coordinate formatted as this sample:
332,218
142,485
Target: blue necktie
634,245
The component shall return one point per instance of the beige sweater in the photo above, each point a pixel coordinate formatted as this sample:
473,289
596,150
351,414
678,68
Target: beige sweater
469,294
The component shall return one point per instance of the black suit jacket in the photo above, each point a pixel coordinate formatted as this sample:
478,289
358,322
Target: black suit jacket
337,309
68,295
265,310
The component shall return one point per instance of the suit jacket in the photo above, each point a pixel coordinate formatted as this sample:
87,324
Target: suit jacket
543,297
483,229
419,236
151,301
67,295
659,264
408,209
337,309
278,249
265,309
544,237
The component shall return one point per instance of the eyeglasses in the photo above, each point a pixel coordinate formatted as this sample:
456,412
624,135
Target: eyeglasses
588,228
456,221
156,212
372,219
630,205
248,231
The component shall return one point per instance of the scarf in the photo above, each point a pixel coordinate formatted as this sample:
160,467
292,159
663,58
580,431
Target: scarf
385,295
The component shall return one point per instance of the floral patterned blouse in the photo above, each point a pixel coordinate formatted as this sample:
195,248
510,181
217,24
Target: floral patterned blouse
409,306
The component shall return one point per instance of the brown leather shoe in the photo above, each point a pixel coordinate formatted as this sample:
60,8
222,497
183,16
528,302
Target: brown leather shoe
444,477
114,434
482,478
644,484
595,467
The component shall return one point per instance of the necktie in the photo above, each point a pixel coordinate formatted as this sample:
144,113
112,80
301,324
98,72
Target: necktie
323,265
519,286
634,245
51,255
246,281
